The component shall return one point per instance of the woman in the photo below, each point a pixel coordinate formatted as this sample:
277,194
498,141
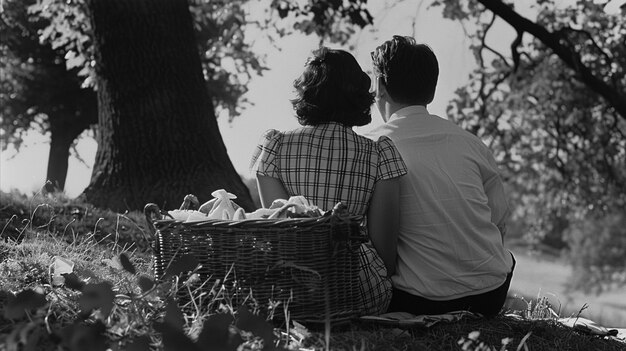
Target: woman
327,162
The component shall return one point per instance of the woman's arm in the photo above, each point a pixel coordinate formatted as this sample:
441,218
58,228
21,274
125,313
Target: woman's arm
383,220
270,189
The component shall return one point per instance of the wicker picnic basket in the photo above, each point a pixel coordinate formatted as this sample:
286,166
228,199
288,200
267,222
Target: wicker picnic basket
310,265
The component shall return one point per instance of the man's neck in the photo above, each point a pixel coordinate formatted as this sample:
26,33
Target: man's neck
393,108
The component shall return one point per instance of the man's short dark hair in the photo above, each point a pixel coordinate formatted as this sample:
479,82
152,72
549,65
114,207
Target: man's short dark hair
333,88
408,70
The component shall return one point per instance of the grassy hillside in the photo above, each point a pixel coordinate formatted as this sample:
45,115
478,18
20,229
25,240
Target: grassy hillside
111,299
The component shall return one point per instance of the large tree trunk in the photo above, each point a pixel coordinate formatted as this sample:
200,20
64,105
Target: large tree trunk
158,137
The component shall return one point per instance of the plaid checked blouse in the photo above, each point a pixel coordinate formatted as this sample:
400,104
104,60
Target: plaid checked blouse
327,163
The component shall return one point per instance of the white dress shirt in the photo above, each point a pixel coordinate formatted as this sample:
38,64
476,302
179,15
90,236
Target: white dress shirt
451,202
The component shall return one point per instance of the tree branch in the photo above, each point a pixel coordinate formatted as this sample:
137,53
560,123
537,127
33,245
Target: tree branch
484,44
514,52
606,55
493,51
616,99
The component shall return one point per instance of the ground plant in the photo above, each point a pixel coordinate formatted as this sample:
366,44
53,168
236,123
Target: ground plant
109,299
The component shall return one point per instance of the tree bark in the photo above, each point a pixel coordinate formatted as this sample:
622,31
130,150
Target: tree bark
571,58
45,87
61,139
74,112
158,138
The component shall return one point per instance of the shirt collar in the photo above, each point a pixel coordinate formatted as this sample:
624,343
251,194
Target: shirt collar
409,110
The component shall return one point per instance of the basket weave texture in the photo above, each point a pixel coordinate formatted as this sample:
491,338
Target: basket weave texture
311,263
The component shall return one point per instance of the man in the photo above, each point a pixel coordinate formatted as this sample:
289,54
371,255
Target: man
451,254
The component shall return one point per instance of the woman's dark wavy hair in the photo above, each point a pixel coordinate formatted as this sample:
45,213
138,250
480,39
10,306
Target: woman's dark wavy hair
333,88
408,70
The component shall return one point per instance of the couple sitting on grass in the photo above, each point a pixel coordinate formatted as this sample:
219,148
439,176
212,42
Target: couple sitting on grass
431,193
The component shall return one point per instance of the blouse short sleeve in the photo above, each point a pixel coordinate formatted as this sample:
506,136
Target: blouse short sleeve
264,157
390,163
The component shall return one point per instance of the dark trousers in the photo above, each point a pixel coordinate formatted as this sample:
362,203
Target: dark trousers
488,304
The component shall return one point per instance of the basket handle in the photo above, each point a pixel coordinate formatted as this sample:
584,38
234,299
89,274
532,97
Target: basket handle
340,210
152,213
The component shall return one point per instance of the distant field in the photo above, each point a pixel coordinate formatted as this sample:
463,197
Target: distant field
548,277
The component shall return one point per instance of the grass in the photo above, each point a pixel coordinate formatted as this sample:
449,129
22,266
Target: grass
36,229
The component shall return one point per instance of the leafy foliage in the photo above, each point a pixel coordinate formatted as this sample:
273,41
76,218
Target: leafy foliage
97,296
26,300
332,20
228,59
38,91
181,264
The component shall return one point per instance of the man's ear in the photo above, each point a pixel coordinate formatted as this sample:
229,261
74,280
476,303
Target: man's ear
381,88
383,92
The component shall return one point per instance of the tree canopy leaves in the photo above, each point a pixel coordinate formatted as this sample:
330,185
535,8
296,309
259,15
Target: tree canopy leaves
551,131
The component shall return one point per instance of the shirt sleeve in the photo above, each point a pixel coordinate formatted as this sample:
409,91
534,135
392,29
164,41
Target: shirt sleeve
264,157
494,189
390,163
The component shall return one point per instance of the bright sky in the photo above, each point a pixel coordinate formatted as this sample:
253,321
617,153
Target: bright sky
26,170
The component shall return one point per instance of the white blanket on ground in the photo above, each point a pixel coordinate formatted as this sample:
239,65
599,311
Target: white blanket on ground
408,320
405,319
587,326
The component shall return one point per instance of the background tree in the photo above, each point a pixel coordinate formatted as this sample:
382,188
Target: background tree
552,111
228,62
37,91
158,137
48,76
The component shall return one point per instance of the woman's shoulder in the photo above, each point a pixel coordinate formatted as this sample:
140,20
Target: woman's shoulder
272,134
329,130
293,136
270,139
